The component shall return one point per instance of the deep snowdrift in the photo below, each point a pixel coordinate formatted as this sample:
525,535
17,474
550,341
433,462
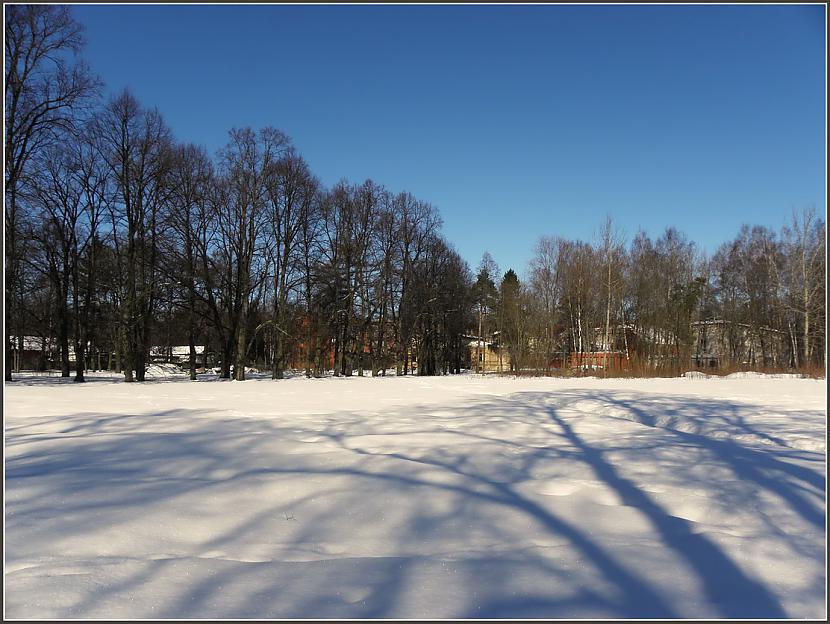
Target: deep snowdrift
416,498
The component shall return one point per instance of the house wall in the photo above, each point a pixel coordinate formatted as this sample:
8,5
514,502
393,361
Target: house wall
491,359
721,343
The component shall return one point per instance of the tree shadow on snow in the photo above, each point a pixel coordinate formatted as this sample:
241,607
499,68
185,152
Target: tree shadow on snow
103,469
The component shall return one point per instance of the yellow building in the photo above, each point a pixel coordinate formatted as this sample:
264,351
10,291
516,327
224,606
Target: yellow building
487,356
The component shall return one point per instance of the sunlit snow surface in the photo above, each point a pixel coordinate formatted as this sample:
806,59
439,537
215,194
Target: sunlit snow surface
453,497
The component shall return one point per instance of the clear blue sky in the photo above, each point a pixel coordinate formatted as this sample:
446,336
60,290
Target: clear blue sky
515,121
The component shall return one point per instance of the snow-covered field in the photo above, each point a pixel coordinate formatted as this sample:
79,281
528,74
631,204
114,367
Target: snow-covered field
454,497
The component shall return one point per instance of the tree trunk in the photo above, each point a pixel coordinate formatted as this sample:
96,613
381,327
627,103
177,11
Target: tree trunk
227,357
377,354
479,357
116,363
80,349
806,358
63,339
18,354
607,338
241,343
309,353
359,352
794,342
278,364
138,354
191,344
80,358
322,365
10,265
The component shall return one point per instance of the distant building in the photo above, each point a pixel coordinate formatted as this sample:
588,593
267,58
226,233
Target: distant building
179,354
487,355
718,342
38,352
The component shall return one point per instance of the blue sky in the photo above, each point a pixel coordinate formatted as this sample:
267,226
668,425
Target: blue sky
515,121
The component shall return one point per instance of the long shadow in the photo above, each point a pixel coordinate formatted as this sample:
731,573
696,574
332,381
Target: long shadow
226,444
46,380
638,599
57,380
747,463
725,584
125,459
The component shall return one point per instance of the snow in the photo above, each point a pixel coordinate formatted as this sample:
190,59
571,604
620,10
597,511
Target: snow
178,350
451,497
163,371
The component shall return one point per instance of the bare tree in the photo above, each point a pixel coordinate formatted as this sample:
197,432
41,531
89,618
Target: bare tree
440,284
43,95
190,179
70,193
290,193
385,244
310,241
418,221
611,250
244,164
804,242
136,144
57,199
546,288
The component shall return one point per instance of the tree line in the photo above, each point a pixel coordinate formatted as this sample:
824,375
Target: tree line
118,238
116,234
760,297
